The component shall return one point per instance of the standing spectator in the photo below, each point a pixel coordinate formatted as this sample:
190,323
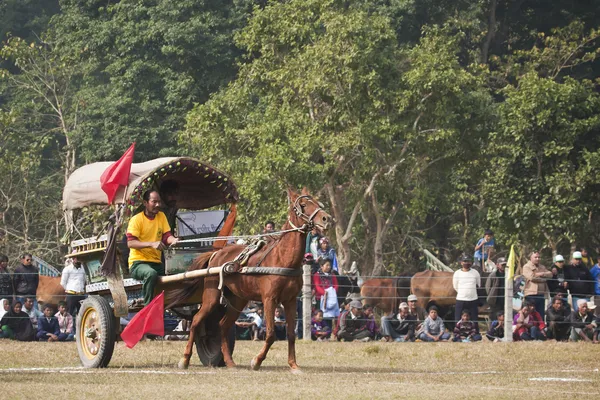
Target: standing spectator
579,279
496,331
400,327
557,283
494,287
419,313
484,247
326,286
433,328
595,272
558,316
32,311
26,278
6,281
326,252
16,324
73,281
465,331
524,326
319,330
586,259
48,329
536,287
371,323
353,326
583,324
269,227
65,323
312,243
466,281
280,324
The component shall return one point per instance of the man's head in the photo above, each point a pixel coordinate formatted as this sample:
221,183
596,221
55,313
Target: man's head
325,265
356,308
28,303
500,316
278,312
433,312
584,252
501,264
3,261
169,191
412,301
488,234
557,303
346,304
319,316
466,261
403,309
577,258
534,257
531,306
48,311
152,203
559,261
269,227
465,316
259,311
62,307
26,259
582,306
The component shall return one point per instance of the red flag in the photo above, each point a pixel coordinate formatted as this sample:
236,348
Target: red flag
117,174
150,319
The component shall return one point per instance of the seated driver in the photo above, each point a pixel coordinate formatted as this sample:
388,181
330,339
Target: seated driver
148,234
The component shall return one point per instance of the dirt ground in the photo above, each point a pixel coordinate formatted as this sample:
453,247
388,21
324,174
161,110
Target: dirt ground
331,371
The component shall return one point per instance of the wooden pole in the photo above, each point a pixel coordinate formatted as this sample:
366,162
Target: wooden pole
306,302
508,307
189,275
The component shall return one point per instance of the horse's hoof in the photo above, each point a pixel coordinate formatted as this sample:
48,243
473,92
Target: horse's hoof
231,366
297,371
254,365
183,364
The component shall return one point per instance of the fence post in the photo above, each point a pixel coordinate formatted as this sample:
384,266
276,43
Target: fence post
306,302
508,308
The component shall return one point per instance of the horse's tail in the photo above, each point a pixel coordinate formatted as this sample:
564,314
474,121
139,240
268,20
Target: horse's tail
178,296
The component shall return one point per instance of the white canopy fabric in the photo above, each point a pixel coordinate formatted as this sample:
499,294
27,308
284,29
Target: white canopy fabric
200,185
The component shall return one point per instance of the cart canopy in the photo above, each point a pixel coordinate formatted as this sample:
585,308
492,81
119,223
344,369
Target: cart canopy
200,185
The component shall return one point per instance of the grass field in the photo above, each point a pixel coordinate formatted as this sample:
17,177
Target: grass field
331,371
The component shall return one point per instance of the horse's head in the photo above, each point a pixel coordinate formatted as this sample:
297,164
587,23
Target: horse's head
309,211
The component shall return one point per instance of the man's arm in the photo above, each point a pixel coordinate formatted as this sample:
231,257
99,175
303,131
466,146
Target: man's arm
65,277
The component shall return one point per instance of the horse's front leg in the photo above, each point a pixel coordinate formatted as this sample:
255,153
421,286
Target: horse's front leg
269,318
290,316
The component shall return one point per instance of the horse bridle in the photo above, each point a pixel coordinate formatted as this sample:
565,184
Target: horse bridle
299,210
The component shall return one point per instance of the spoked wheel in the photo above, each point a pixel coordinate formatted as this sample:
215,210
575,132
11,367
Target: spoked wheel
96,332
208,342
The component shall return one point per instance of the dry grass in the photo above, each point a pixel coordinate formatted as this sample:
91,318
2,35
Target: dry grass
331,370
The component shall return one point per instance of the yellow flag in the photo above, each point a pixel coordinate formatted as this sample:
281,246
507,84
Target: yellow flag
511,263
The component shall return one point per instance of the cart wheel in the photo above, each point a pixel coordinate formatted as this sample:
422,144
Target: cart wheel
96,332
208,345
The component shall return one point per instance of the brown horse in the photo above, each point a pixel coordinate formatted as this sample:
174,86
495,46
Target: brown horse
284,252
386,293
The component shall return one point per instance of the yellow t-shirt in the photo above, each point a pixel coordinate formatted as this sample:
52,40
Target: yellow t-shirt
147,230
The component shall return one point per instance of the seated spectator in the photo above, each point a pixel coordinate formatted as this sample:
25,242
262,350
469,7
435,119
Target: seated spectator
345,310
65,323
496,331
4,307
558,316
465,330
525,327
48,329
280,324
16,324
371,323
30,309
419,313
249,324
537,320
400,327
433,328
583,324
179,333
354,326
319,330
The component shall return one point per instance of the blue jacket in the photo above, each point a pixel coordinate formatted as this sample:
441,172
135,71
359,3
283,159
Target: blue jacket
45,327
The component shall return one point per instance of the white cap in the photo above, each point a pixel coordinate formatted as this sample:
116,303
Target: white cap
577,254
591,306
559,258
403,305
412,297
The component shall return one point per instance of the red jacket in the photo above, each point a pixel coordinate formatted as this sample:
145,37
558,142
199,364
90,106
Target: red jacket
321,282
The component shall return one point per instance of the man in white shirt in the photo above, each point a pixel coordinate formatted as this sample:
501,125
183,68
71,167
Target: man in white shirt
466,281
73,281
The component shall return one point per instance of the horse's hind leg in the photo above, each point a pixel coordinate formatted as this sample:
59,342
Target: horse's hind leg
269,319
233,311
210,299
290,316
